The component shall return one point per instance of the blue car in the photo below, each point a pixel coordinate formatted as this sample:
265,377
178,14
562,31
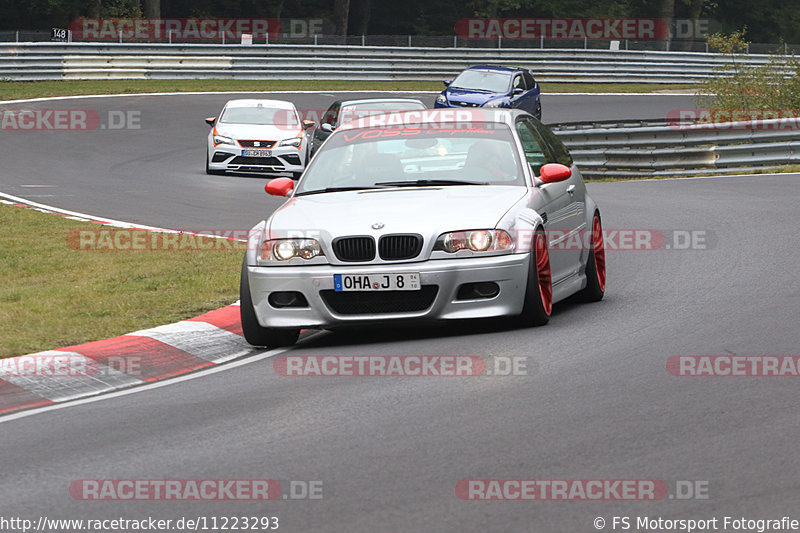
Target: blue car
491,86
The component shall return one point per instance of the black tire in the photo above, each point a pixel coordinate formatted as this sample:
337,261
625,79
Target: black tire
212,172
255,333
595,286
536,310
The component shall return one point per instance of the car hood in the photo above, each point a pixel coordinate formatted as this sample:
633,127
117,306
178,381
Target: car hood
265,132
423,210
471,97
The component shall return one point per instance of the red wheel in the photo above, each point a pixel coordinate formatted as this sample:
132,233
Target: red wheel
543,273
539,291
596,265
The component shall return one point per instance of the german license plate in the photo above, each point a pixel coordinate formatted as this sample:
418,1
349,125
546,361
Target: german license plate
377,282
252,152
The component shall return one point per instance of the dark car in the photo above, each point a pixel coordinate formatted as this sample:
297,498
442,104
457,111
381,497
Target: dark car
493,86
346,110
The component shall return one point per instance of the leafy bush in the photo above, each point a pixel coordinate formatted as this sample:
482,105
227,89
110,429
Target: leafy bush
737,86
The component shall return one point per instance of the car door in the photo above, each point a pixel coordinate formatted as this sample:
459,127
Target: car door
575,212
554,198
517,98
531,97
330,117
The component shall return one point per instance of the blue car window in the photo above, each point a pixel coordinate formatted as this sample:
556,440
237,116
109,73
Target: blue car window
529,81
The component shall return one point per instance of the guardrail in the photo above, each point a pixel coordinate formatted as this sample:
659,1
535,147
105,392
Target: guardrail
76,61
654,148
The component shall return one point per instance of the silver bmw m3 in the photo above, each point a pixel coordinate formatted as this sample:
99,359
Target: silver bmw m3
421,216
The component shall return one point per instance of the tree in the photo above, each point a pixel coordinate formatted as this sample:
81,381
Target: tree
341,12
152,9
666,13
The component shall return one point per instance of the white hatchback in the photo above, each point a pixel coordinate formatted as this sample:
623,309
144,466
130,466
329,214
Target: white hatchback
261,136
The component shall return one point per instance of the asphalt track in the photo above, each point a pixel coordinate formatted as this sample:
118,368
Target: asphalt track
154,174
596,403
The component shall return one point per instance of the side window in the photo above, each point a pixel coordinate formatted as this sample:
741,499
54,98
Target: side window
556,147
532,145
519,83
331,115
529,81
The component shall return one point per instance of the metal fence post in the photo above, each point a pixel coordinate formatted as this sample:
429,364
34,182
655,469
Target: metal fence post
409,41
455,41
17,37
363,40
499,42
585,43
541,41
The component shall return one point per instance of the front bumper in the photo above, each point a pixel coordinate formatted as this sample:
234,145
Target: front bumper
509,272
230,158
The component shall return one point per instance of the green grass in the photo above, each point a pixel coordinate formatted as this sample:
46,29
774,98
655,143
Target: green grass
18,90
52,295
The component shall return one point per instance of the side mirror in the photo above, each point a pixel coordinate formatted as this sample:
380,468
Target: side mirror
308,124
211,120
446,83
327,127
554,172
279,186
518,90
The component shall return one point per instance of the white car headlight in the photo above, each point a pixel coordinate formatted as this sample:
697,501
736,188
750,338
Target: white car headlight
294,141
221,139
441,99
286,249
497,102
480,240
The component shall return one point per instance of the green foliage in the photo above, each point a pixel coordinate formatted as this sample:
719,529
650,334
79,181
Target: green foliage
735,86
730,43
121,9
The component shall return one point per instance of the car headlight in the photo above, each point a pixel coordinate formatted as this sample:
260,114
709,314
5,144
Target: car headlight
294,141
480,240
497,102
441,99
221,139
286,249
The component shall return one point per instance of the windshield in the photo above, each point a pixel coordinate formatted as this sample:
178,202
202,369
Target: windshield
409,156
367,109
493,82
259,116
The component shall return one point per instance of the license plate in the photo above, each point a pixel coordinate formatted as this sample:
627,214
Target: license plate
250,152
377,282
